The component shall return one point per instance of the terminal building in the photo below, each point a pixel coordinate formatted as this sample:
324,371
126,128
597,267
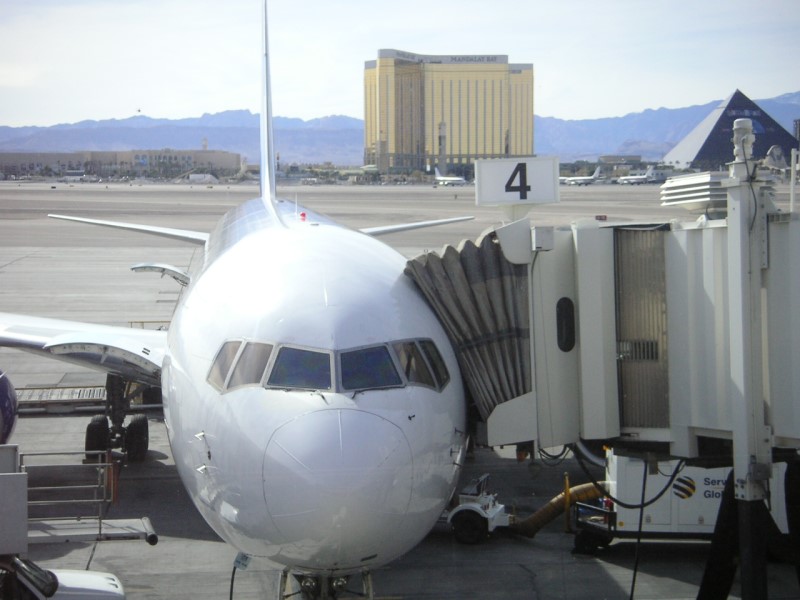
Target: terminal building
424,111
127,163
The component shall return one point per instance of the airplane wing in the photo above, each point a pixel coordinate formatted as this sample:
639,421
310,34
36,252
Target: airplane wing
383,230
134,354
184,235
200,238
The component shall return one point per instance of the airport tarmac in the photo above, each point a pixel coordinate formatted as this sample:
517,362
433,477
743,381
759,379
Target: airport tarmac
74,271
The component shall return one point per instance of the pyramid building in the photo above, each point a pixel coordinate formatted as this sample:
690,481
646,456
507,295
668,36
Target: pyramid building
708,146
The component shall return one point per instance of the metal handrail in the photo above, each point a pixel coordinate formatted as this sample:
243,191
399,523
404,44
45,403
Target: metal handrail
104,490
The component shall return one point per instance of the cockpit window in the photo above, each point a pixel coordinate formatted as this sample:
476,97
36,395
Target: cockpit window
250,367
368,368
222,364
303,369
412,363
246,363
436,362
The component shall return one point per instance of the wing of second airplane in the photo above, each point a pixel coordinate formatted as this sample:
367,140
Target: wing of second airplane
134,354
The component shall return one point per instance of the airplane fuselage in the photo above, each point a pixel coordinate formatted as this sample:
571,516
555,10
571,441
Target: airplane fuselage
307,419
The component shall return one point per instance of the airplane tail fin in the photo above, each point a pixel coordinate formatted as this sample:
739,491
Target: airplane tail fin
596,173
268,163
436,171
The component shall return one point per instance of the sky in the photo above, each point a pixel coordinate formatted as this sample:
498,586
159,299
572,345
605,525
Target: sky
64,61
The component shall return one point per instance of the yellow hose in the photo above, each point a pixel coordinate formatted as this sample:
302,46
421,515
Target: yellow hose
580,493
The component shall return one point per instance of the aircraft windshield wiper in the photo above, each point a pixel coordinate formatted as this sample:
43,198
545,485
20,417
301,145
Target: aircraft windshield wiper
376,389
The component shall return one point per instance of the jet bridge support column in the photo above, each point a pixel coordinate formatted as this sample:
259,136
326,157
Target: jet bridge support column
747,260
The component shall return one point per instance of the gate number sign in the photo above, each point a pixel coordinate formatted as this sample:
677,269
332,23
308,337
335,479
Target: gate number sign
521,180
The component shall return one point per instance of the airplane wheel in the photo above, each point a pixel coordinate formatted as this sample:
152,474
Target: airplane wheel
470,528
96,436
137,438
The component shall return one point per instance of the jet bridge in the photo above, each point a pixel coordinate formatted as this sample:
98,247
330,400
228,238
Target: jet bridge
674,335
666,340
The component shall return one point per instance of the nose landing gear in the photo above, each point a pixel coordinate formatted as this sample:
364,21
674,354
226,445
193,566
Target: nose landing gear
311,587
108,431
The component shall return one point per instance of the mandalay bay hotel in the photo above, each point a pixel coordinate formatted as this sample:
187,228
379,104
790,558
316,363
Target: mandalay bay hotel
424,111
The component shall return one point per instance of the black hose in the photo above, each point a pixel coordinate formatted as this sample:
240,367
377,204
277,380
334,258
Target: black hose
639,533
619,502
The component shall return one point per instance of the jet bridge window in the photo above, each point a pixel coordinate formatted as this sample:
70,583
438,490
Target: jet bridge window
222,364
296,368
250,366
368,369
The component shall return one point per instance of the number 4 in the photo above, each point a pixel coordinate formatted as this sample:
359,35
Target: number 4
521,171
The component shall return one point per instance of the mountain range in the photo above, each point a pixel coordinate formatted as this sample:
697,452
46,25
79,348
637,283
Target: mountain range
340,140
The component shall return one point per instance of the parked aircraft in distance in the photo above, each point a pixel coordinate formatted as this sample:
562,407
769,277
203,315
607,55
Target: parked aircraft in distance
313,403
448,180
585,180
637,179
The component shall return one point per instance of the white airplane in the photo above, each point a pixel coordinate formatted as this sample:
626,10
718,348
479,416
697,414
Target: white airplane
637,179
587,180
449,179
312,400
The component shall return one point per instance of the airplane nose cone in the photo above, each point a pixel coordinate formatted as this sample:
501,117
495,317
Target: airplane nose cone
339,480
